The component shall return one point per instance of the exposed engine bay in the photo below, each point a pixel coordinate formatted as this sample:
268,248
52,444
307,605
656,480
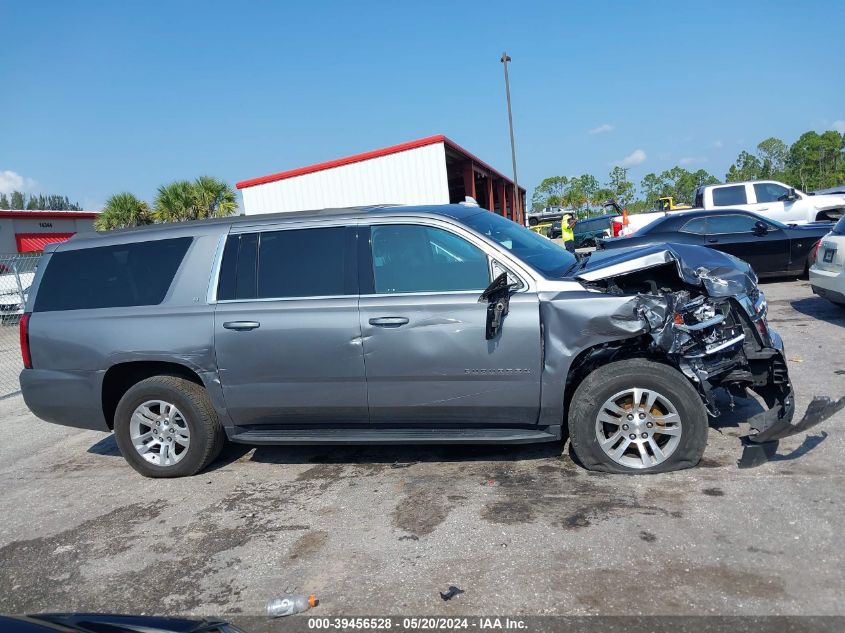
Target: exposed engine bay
707,317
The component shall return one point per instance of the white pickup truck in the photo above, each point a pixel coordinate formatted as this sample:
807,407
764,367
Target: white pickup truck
768,198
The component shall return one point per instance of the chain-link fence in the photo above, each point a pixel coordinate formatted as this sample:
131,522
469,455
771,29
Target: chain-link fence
16,274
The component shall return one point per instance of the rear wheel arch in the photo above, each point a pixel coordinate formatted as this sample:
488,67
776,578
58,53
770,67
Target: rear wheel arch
121,377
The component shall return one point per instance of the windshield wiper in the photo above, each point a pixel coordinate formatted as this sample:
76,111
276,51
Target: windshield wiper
579,264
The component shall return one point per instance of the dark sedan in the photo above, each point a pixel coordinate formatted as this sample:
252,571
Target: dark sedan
773,249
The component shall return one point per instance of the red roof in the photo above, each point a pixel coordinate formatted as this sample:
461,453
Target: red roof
77,215
357,158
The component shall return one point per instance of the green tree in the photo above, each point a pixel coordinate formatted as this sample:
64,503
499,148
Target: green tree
123,210
602,195
773,154
175,202
17,200
4,201
206,197
652,187
619,185
581,192
747,167
213,198
549,193
816,160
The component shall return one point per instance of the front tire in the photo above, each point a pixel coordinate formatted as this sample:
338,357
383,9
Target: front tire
637,416
166,426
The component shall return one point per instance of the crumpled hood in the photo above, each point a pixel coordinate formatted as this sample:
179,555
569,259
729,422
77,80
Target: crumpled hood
720,274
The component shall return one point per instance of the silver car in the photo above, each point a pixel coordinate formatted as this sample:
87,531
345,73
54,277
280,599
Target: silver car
443,324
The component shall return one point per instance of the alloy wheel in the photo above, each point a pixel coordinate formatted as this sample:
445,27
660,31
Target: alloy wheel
638,428
159,432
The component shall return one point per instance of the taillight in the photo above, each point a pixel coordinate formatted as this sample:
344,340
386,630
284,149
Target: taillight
815,253
617,227
762,328
24,332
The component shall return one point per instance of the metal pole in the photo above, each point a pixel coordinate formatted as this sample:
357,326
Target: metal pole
517,198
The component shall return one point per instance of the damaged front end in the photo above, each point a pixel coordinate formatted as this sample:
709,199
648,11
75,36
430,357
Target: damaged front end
702,310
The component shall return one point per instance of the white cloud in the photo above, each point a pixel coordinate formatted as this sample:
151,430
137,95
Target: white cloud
637,157
12,181
839,126
604,128
691,160
718,144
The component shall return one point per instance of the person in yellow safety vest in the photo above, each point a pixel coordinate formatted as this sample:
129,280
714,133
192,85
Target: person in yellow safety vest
567,233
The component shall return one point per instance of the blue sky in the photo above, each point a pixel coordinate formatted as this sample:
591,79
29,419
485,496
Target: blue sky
101,97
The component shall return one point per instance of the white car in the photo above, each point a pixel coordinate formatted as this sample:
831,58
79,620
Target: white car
827,275
772,199
14,290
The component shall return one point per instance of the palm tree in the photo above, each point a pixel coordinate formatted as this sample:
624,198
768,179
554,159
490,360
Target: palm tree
206,197
213,198
123,210
175,202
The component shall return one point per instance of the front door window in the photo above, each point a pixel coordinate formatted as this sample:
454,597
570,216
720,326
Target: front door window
413,258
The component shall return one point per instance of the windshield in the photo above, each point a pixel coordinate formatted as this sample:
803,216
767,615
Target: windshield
839,229
546,257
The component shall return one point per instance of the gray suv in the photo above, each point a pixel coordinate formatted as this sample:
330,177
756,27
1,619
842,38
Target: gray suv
444,324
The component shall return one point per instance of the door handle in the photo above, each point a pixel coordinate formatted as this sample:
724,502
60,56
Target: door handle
763,209
712,240
241,326
389,321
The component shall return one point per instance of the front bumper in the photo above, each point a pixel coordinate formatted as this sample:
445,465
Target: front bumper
776,423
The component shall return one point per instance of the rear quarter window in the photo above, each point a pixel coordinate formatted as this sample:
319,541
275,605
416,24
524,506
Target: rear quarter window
135,274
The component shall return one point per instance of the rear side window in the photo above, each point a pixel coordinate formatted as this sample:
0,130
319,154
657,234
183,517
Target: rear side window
727,196
730,224
318,262
136,274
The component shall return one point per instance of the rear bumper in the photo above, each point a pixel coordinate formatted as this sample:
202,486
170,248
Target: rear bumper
829,284
831,295
70,398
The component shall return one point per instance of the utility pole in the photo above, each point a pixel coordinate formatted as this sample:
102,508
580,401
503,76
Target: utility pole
517,198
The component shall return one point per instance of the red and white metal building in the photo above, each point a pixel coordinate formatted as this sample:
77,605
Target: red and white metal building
31,231
431,170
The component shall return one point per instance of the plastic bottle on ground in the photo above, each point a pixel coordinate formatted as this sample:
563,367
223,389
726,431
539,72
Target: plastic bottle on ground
288,605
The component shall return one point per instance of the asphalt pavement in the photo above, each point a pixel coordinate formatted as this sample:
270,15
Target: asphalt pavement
521,529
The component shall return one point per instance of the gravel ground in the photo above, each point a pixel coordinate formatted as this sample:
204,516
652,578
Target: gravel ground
382,530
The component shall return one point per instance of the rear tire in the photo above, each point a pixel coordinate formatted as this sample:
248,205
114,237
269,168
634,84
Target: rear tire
195,435
677,434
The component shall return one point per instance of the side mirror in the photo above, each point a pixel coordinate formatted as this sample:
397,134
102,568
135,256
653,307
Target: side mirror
760,228
789,196
497,295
